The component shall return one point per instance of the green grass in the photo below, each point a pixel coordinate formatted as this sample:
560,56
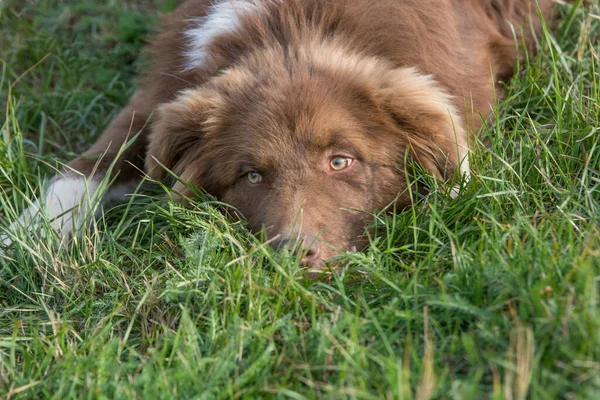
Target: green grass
490,295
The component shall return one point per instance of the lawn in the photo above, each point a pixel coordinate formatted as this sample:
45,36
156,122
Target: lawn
493,294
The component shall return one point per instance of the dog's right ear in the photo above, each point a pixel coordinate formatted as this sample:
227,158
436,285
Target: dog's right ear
179,130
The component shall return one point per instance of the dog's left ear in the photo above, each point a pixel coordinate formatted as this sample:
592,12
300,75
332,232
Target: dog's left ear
434,129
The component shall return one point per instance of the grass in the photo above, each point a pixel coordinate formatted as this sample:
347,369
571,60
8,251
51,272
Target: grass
490,295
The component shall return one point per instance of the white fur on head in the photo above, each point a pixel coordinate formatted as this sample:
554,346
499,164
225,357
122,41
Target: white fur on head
223,17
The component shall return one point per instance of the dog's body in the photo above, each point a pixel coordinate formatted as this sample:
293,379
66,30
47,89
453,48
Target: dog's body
301,113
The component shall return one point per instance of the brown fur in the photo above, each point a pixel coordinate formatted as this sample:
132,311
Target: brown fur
309,79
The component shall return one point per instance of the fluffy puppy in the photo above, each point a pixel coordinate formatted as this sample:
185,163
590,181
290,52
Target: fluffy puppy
301,113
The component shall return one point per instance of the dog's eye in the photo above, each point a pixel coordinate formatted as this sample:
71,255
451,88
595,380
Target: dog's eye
254,177
340,163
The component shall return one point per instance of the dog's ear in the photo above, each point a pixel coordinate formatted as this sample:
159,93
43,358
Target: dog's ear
179,130
434,130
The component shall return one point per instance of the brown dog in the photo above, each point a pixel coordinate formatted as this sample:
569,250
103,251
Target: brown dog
300,113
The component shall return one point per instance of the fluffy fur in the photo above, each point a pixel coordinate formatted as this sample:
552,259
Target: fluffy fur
66,203
285,90
221,19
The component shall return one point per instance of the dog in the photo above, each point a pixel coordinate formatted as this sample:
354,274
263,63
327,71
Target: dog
302,114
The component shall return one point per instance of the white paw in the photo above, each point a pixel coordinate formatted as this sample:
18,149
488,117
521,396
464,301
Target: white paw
65,206
69,203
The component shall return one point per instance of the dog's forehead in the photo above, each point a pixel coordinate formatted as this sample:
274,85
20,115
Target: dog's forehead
298,117
298,133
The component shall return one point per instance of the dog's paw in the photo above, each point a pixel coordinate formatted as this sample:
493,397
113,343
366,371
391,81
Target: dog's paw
65,206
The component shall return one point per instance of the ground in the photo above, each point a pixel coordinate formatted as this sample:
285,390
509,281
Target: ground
493,294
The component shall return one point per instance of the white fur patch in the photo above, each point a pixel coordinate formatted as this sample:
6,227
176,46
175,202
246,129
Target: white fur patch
223,17
68,204
65,204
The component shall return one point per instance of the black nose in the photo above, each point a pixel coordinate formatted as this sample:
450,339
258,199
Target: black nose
302,245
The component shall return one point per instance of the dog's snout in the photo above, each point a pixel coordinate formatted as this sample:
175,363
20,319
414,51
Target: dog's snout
303,245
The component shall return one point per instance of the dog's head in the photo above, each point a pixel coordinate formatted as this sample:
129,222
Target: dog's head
308,145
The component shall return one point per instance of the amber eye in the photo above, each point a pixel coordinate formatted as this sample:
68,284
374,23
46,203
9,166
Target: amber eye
340,163
254,177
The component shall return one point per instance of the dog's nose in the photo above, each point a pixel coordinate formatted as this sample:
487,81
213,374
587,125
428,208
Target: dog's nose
302,245
311,254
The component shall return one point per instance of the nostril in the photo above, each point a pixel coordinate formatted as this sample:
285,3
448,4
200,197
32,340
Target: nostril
312,255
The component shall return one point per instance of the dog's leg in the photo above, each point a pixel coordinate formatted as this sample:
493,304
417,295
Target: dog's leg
77,193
